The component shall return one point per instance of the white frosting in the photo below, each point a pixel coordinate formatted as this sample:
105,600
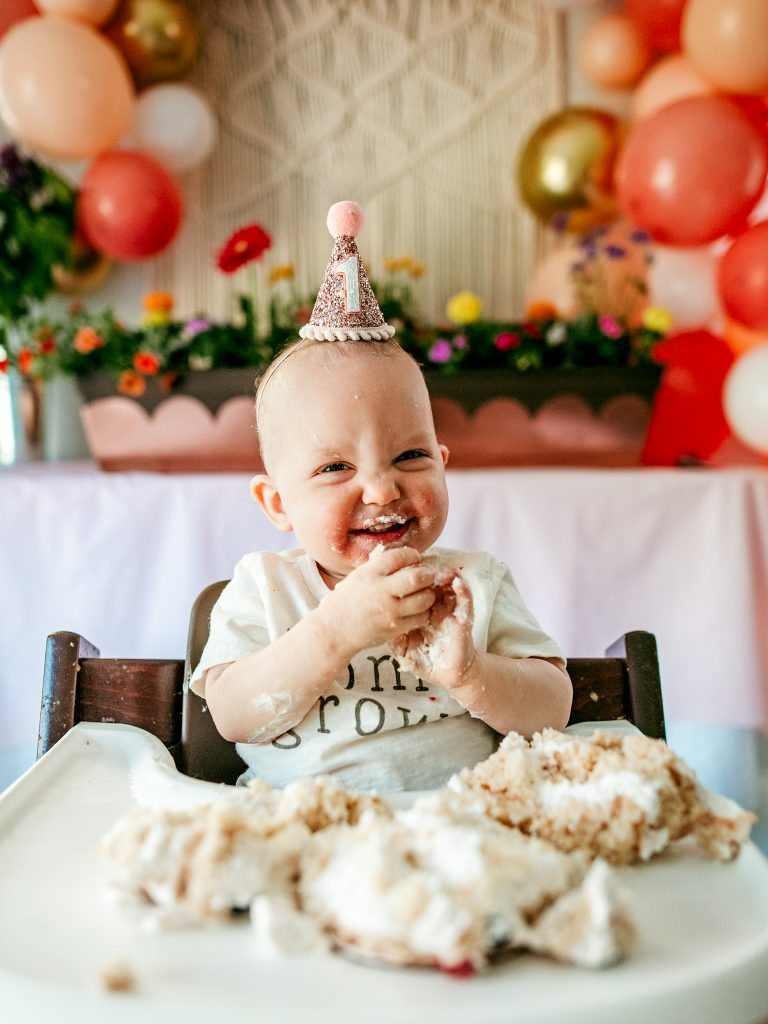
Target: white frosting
602,789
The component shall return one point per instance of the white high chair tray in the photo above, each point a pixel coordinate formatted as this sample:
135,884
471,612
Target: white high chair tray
701,956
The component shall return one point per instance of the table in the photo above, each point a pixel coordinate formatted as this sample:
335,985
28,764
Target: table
701,953
119,557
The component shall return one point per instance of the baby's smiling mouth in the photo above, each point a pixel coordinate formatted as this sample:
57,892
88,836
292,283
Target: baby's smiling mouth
384,527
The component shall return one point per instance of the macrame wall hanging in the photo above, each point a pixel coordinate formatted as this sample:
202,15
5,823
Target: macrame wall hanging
416,109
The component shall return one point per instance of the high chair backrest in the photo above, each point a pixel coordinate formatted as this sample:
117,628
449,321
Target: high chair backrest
80,686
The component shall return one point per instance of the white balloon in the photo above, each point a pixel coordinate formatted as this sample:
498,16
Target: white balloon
173,123
745,398
684,282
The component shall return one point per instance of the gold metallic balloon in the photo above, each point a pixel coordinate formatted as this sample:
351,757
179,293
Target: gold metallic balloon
158,38
86,270
566,169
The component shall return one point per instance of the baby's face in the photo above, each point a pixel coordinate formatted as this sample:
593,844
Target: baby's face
351,448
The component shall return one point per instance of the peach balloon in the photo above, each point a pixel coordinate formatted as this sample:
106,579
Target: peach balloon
64,90
613,52
92,12
670,79
741,338
726,40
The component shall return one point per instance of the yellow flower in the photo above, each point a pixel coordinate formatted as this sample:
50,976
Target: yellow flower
281,272
154,318
158,302
464,308
392,266
656,318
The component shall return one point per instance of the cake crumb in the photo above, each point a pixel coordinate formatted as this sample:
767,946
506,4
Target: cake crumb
117,976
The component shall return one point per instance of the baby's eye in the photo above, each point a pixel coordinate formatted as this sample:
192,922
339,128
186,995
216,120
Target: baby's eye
412,453
334,467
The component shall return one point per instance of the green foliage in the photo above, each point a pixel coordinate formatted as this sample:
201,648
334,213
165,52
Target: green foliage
37,220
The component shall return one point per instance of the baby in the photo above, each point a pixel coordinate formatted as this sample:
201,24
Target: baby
366,653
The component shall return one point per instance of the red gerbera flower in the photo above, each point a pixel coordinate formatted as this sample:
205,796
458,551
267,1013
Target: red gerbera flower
246,244
146,363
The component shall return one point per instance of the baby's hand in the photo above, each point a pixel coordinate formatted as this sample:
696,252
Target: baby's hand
388,595
442,650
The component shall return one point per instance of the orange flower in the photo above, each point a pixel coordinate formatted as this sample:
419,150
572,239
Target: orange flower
24,360
541,311
167,380
146,363
158,302
86,340
131,383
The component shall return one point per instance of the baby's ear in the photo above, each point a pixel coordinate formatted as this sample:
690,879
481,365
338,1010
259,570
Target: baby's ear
445,453
266,494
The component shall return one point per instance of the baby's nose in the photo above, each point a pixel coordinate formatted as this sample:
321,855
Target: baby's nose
380,489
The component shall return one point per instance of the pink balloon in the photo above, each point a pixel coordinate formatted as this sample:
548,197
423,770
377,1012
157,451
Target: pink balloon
743,278
64,90
659,19
692,171
12,11
129,206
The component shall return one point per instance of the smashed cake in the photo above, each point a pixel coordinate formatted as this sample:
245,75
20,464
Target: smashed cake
450,890
622,797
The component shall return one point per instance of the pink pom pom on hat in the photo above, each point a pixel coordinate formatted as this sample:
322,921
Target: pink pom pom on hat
346,308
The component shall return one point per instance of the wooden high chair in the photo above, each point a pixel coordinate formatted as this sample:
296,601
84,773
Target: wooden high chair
80,686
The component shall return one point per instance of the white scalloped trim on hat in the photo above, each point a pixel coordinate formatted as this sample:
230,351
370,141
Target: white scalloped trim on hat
313,333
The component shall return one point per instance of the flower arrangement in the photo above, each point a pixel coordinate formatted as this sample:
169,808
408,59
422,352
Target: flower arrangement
81,342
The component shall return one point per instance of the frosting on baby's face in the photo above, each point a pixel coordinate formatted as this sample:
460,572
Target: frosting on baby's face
352,457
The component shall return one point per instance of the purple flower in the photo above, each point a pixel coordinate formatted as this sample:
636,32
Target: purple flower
441,351
611,328
15,168
460,341
615,252
196,326
560,221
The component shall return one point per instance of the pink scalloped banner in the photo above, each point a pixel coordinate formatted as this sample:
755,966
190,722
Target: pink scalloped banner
182,435
563,431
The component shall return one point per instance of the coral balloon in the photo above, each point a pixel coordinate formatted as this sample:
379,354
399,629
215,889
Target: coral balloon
692,171
670,79
12,11
741,338
743,278
687,419
726,40
175,124
613,52
64,90
684,282
92,12
745,398
129,206
659,21
160,39
566,168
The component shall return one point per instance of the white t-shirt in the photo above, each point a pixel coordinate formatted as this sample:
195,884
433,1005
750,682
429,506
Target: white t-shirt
378,726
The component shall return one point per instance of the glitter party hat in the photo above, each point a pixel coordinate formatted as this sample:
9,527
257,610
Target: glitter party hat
346,308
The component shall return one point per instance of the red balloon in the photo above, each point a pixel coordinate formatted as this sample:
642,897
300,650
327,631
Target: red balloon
743,278
692,171
12,11
659,21
129,206
688,421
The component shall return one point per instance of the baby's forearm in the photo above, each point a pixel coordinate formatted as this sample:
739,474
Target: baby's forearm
262,695
521,695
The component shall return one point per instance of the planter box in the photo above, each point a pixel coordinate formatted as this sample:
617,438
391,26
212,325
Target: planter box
587,417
